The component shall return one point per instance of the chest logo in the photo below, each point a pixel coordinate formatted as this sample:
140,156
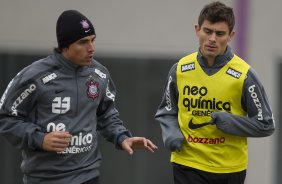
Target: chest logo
194,126
92,89
49,77
188,67
233,73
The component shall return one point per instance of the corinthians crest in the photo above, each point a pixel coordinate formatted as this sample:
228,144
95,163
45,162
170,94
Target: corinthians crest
92,88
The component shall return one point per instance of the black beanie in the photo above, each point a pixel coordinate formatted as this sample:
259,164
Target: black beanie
72,26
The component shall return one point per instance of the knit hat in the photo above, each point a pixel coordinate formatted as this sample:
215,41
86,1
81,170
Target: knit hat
72,26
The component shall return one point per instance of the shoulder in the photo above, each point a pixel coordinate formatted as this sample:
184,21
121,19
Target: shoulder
37,68
187,62
240,61
189,58
252,76
99,70
97,64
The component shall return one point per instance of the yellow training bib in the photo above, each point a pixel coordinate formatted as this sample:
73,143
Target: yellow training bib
208,148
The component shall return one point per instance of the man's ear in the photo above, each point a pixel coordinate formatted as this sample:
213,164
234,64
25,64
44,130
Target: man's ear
197,29
231,35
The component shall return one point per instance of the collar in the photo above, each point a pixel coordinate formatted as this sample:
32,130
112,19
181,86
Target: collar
220,60
65,62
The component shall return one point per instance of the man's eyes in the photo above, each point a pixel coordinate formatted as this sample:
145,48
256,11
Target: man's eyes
218,33
208,31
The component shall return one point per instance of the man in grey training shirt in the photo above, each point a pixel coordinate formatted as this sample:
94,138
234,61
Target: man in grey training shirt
53,109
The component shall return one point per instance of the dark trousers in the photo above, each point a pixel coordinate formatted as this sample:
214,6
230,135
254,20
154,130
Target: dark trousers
188,175
93,181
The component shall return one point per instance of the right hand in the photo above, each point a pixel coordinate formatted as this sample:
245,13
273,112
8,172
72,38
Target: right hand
56,141
176,145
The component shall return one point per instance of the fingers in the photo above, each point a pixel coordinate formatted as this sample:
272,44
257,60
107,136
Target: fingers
151,146
132,143
128,150
63,137
126,145
56,141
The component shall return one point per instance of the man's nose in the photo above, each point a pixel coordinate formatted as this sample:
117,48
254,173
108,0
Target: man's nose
212,37
91,47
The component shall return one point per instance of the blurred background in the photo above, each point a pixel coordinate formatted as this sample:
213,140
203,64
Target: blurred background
138,41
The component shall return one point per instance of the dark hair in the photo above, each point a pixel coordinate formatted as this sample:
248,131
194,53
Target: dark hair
58,50
217,12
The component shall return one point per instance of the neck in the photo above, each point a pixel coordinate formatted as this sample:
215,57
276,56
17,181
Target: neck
210,61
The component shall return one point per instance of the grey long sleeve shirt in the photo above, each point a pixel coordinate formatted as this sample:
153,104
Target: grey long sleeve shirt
53,94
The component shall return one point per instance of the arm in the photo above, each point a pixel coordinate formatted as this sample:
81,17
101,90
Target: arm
167,114
16,104
259,122
111,127
109,124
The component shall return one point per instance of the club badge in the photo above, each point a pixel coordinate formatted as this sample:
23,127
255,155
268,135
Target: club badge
84,24
92,88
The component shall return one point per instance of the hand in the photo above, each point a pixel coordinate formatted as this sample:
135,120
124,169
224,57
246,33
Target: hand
56,141
131,143
213,116
176,145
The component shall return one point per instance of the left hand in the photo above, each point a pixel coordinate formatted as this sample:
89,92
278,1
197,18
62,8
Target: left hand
132,143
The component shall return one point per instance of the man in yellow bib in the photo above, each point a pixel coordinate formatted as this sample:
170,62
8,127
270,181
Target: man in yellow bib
212,102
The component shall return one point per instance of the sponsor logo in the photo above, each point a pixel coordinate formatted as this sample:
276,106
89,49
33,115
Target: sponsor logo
188,67
59,91
49,77
79,143
5,93
196,100
52,127
101,74
109,94
193,126
233,73
206,140
167,95
256,101
21,98
61,105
